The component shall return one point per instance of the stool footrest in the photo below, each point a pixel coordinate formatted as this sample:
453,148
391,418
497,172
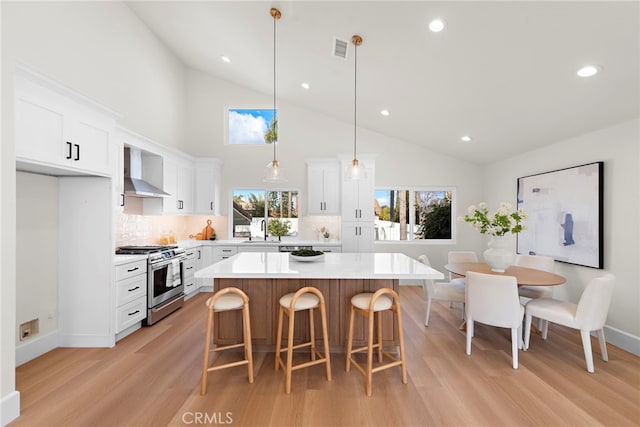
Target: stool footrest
306,344
309,363
228,365
227,347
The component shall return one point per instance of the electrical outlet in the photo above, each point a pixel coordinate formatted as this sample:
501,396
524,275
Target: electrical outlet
29,328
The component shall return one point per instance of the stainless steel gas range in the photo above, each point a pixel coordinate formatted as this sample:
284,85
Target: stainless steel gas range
165,287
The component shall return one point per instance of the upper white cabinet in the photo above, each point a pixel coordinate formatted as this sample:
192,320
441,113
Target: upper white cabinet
323,187
57,128
178,182
207,186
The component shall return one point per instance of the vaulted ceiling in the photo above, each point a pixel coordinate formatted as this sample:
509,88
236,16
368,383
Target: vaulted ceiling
503,73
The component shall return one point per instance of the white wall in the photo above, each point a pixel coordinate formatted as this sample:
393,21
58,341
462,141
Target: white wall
306,134
619,148
36,252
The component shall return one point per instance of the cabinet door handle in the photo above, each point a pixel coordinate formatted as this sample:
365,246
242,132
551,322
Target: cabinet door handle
70,146
122,203
135,312
189,268
199,254
77,152
133,289
133,269
211,206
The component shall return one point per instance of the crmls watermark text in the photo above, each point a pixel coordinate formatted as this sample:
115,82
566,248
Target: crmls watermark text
207,418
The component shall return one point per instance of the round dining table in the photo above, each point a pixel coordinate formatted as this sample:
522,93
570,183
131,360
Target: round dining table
524,276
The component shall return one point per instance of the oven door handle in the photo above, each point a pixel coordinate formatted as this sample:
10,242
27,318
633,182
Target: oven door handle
166,304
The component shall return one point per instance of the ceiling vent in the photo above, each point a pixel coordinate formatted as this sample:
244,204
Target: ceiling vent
340,48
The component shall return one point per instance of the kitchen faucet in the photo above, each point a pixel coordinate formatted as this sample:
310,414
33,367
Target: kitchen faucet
263,227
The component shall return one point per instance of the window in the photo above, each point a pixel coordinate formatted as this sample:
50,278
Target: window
251,127
414,214
252,209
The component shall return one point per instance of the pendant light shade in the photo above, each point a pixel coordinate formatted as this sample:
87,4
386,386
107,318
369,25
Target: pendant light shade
272,172
356,169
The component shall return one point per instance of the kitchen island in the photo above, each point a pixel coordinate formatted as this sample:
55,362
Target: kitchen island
266,276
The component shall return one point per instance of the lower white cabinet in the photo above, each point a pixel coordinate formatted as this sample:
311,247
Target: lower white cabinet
205,259
131,294
357,236
224,252
189,269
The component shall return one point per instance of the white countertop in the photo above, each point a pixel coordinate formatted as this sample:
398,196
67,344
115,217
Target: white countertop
124,259
274,265
237,242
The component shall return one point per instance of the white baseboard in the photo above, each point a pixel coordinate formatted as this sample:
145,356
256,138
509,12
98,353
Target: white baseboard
622,339
10,407
131,329
36,346
77,340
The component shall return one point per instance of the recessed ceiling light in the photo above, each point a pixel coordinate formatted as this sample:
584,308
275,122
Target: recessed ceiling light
385,112
305,85
225,59
437,25
588,71
466,138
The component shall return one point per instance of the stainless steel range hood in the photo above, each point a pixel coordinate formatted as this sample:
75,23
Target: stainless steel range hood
134,185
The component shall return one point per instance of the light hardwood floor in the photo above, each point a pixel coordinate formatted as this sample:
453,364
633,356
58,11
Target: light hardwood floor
151,378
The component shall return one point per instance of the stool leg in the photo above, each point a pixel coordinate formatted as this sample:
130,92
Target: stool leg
312,334
350,340
379,314
371,317
287,389
248,353
325,341
207,348
401,338
279,338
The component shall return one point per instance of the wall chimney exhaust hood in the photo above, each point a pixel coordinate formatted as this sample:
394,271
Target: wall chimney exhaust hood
134,185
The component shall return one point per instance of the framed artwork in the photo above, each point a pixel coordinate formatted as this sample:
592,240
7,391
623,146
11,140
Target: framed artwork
565,209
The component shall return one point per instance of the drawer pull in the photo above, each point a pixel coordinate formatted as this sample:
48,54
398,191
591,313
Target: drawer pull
189,268
135,312
133,289
133,269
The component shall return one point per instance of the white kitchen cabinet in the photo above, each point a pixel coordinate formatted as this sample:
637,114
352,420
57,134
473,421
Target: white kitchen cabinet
131,294
223,252
207,187
323,187
178,182
205,259
189,266
358,216
59,129
257,248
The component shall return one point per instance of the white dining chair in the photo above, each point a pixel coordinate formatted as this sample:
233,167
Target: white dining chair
588,315
454,257
493,300
538,262
441,291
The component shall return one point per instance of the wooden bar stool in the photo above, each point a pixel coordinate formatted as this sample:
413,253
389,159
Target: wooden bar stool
227,299
308,298
368,304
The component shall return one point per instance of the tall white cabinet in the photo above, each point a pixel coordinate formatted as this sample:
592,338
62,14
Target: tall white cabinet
358,216
323,187
207,186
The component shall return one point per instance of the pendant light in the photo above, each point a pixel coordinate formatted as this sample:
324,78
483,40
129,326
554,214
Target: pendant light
272,172
356,169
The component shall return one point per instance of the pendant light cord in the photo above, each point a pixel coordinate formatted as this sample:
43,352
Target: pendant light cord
275,114
355,98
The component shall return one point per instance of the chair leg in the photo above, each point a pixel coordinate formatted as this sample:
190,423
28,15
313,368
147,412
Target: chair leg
279,338
287,388
426,319
207,348
246,326
603,345
350,340
379,314
401,339
544,328
527,331
515,339
369,355
469,334
586,345
312,334
325,341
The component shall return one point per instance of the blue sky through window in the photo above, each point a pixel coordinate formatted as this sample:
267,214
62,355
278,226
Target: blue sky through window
248,126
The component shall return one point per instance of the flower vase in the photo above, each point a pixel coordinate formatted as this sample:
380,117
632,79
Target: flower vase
499,256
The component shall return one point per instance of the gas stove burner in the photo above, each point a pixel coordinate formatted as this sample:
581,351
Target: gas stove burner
148,249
